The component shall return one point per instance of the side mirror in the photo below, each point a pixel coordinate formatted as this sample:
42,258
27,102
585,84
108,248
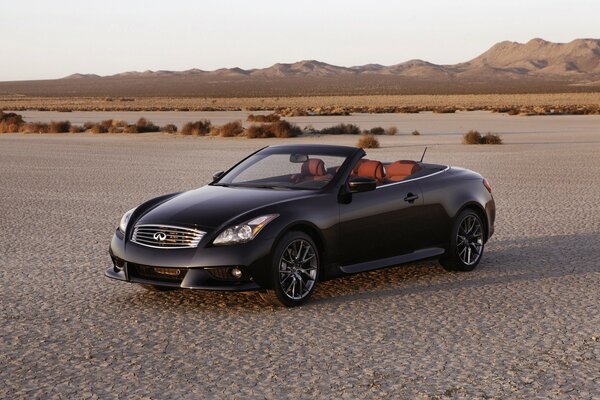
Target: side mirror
218,175
360,184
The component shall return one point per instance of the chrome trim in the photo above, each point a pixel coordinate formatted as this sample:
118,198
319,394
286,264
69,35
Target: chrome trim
177,237
413,179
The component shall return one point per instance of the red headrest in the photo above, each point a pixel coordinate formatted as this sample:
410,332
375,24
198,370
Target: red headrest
314,167
371,169
402,168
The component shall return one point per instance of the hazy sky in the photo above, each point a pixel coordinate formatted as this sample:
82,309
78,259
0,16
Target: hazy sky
51,39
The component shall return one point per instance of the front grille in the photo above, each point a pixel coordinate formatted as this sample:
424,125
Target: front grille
174,275
166,236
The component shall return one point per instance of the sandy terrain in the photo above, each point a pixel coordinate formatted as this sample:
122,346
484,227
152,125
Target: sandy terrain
431,124
8,102
526,323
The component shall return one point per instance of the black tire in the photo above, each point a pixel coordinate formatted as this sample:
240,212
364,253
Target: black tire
157,288
466,243
294,271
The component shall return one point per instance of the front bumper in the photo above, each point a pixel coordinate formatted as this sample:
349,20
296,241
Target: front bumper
207,268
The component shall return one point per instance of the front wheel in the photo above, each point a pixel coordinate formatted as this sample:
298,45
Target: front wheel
295,270
466,243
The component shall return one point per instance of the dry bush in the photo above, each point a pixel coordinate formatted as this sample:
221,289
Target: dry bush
10,122
472,137
256,132
59,126
197,128
169,128
7,127
377,131
143,125
444,110
368,142
34,127
341,129
263,118
491,138
131,128
97,128
231,129
391,131
283,129
416,133
107,124
278,129
76,129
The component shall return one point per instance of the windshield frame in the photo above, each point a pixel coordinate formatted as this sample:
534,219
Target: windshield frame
347,153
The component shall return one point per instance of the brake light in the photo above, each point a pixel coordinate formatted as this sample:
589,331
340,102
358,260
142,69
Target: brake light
487,185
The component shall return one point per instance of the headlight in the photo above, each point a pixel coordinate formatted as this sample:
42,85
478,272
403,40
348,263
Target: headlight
125,220
245,232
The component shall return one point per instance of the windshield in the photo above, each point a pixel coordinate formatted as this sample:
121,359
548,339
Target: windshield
287,170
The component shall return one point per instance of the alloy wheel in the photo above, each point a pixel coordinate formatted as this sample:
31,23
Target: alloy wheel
298,269
469,240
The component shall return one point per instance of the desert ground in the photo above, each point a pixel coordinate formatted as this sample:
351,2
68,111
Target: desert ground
524,324
373,103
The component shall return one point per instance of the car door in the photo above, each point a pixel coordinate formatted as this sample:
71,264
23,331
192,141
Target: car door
381,223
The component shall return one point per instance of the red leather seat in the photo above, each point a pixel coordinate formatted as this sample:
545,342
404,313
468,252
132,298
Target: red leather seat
370,169
401,169
313,169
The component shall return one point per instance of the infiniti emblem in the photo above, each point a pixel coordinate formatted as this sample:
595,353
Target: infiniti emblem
160,236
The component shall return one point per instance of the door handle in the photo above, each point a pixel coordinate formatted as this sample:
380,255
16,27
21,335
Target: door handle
410,197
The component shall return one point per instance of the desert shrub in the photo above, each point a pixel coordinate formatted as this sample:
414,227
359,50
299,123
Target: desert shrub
34,127
143,125
59,126
341,129
416,133
256,132
169,128
263,118
131,128
368,141
197,128
10,122
444,110
391,131
75,129
231,129
97,128
283,129
278,129
106,124
377,131
472,137
8,127
491,138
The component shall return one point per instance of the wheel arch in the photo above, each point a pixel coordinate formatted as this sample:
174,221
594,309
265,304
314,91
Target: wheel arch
312,231
477,208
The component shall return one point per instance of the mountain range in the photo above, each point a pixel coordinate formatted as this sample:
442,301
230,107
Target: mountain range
535,66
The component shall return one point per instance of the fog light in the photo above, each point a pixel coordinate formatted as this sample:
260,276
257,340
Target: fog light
236,272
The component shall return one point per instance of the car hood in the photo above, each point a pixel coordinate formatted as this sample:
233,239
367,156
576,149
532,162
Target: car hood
211,206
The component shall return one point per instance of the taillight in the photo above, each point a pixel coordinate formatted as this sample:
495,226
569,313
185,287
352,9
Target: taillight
487,185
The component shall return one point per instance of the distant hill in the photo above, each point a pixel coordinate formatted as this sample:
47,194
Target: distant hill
507,67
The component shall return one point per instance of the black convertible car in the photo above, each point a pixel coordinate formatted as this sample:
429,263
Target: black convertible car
287,217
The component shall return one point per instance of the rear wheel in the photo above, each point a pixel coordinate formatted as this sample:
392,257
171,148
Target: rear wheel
466,243
295,270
